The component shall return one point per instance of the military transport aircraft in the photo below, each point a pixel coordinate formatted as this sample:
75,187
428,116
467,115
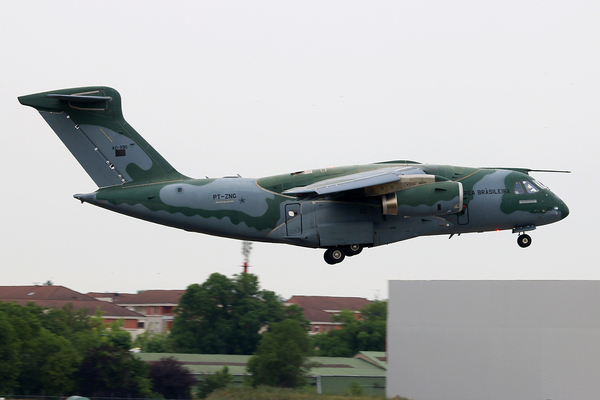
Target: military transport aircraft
341,209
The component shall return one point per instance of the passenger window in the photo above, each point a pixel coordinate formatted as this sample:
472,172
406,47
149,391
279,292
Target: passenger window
530,188
519,188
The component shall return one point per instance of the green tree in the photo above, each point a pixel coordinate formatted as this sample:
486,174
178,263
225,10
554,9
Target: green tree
108,371
171,379
77,326
223,316
151,343
37,359
212,382
368,334
51,365
282,356
119,337
293,311
9,354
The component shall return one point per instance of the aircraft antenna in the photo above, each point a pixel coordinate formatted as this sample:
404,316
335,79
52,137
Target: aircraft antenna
246,248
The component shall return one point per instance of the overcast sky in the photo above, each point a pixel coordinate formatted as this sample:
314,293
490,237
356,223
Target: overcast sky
262,88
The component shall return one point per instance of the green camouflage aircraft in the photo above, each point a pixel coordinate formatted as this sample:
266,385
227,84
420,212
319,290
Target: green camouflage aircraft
341,209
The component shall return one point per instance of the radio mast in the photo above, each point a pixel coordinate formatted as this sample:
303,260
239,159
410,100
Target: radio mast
246,248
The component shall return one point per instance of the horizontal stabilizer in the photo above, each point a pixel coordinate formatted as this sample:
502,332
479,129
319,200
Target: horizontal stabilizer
79,99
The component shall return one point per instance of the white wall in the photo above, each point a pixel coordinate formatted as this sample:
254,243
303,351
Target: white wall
494,340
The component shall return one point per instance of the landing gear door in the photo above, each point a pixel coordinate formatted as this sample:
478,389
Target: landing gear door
463,216
293,219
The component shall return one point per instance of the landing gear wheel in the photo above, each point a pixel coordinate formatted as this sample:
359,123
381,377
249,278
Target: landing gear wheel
334,256
524,240
353,249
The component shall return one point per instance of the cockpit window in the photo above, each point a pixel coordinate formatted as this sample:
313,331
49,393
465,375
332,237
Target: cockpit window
530,187
522,186
519,188
539,184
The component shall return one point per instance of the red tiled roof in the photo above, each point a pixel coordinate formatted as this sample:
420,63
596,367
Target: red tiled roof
42,293
330,303
314,315
60,296
321,308
154,297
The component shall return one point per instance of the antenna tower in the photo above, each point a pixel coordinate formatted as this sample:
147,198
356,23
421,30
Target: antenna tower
246,248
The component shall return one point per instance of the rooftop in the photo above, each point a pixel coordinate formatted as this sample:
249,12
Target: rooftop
330,303
321,308
60,296
211,363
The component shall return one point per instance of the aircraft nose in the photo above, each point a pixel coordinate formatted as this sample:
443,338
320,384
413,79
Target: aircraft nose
562,208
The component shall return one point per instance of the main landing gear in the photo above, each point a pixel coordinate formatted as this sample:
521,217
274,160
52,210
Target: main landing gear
335,255
524,240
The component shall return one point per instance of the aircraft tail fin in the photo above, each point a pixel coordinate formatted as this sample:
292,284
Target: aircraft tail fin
90,122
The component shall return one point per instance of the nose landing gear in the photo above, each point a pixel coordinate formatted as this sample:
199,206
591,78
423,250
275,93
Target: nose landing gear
524,240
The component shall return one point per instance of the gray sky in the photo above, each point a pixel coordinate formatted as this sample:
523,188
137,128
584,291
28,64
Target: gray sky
263,88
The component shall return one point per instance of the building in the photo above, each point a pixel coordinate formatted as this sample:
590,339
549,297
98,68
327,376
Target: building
157,305
494,340
56,296
331,375
378,358
318,310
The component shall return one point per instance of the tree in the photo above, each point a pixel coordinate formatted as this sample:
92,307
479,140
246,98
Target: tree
223,316
42,349
212,382
368,334
9,355
151,343
51,365
294,311
32,358
108,371
119,337
171,379
77,326
281,358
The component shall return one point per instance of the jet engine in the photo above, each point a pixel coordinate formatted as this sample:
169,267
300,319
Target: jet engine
439,198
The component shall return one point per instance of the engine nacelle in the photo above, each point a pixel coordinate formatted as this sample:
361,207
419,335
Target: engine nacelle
439,198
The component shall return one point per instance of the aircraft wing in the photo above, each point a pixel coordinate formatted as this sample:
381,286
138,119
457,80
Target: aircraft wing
371,181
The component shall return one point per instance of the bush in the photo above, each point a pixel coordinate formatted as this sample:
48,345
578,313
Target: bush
282,356
271,393
212,382
108,371
355,388
171,379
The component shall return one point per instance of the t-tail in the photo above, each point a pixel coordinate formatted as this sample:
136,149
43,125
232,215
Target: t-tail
90,123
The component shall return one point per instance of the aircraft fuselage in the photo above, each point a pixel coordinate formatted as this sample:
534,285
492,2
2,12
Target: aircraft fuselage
341,209
257,209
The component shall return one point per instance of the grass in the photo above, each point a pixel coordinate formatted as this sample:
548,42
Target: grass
271,393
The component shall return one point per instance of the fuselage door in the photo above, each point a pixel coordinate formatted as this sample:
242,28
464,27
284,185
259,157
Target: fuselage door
293,219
